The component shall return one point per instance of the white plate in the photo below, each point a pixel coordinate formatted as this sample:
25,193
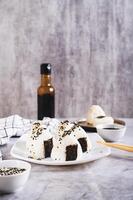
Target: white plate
98,151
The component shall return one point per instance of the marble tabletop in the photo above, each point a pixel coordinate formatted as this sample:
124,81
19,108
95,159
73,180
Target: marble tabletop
109,178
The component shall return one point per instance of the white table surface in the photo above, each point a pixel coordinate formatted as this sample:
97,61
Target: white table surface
110,178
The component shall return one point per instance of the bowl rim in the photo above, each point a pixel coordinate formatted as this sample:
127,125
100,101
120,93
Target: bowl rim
102,126
19,174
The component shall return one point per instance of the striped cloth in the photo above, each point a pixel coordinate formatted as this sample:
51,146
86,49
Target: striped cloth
13,126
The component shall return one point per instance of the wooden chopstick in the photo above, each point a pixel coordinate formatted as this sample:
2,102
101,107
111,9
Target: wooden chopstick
117,146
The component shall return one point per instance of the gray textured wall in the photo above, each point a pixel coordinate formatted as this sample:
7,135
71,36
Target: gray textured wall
90,44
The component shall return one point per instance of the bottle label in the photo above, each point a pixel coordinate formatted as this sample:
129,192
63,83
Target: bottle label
46,107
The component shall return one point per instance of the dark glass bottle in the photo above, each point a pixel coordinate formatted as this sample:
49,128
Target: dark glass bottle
46,93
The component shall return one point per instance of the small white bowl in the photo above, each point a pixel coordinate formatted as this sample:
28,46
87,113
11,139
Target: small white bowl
111,132
12,183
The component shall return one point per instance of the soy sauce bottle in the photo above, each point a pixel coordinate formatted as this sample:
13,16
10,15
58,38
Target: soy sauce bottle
46,93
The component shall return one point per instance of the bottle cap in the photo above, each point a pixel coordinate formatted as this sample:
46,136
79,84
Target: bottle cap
46,68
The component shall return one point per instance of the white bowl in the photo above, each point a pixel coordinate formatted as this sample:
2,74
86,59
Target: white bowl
11,183
109,134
